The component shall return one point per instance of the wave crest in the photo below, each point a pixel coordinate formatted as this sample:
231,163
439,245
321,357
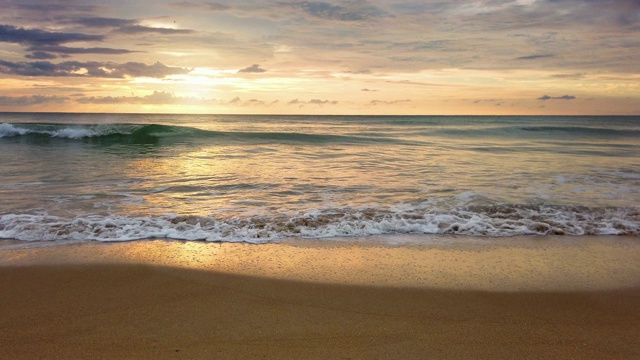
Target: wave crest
66,131
167,134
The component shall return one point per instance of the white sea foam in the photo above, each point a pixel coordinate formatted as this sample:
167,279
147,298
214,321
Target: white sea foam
64,131
481,221
8,130
74,133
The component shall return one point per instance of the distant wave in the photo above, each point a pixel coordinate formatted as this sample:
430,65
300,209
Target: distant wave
592,131
67,131
166,134
537,131
491,220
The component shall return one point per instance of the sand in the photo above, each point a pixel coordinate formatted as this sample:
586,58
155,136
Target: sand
141,300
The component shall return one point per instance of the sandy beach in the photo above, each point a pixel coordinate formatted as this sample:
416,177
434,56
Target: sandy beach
177,300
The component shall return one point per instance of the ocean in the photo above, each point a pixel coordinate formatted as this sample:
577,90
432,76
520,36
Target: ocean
248,178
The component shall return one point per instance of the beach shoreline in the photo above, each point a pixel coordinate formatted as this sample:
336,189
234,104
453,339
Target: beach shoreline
518,263
171,300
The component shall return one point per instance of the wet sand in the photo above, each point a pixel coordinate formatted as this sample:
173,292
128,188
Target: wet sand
142,300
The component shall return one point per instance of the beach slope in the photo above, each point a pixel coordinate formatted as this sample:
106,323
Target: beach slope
124,309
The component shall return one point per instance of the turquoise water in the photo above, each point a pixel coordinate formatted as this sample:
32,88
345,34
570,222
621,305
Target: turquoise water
254,178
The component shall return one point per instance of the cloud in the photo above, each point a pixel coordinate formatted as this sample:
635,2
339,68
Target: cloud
468,49
156,98
565,97
312,102
534,57
346,11
164,98
139,29
237,101
37,37
321,102
157,70
254,102
74,50
90,69
31,100
255,68
210,6
125,26
41,55
568,76
102,22
417,83
391,102
45,43
40,7
479,35
495,101
425,45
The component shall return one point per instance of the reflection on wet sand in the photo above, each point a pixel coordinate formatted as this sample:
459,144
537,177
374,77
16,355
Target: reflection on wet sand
507,264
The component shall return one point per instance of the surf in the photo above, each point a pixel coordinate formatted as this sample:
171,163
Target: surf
169,134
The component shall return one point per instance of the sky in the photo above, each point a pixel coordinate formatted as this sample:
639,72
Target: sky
486,57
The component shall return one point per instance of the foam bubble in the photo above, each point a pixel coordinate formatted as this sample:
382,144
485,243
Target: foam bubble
8,130
66,131
494,221
74,133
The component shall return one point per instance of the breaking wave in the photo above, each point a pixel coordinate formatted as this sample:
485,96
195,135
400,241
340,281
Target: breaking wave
167,134
493,220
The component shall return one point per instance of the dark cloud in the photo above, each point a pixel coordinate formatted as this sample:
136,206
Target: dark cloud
565,97
425,45
44,44
139,29
255,68
101,22
73,50
421,7
41,55
35,68
89,69
210,6
346,11
534,57
365,89
31,100
125,26
568,76
52,7
37,37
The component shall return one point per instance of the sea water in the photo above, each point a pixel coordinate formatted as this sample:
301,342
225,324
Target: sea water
248,178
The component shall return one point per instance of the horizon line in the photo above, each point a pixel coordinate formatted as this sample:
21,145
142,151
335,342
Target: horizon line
277,114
